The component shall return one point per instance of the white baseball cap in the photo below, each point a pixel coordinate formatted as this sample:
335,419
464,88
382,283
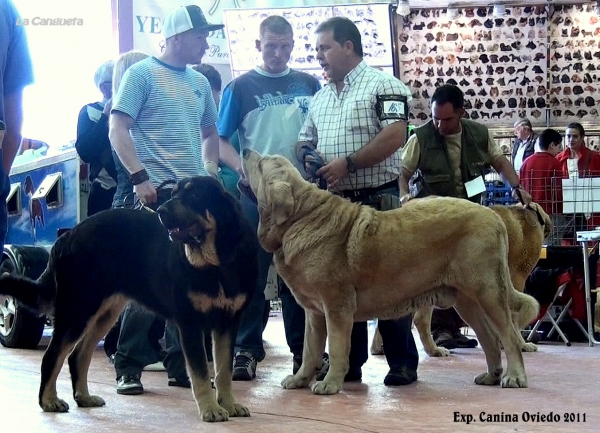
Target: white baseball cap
186,18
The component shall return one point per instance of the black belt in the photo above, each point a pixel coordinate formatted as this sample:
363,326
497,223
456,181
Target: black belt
366,192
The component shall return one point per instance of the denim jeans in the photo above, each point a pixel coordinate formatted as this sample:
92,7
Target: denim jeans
293,319
123,196
134,349
398,342
249,336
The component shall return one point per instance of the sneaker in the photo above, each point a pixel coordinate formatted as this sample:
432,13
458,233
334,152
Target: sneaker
325,365
400,376
244,366
129,385
297,362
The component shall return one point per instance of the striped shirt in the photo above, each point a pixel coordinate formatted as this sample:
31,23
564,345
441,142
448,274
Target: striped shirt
169,106
339,125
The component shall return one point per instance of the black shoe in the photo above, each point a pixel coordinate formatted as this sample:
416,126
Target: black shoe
400,376
458,341
446,340
129,385
182,382
353,375
463,342
296,363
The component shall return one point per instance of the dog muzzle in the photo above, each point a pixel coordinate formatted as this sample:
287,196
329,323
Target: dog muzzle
194,234
245,189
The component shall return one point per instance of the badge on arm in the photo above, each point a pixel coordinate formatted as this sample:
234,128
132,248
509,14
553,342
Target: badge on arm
392,107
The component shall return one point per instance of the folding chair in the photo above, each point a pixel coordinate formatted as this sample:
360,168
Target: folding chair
556,322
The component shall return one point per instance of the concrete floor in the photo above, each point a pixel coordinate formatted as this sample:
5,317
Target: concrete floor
562,380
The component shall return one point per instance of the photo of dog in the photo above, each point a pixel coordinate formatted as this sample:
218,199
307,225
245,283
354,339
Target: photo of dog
193,262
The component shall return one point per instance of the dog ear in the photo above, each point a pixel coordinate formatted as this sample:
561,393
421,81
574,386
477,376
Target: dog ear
282,202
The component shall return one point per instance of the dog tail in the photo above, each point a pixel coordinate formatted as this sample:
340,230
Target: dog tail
37,296
525,308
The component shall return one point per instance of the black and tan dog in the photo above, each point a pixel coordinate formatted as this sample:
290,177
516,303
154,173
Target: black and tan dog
198,268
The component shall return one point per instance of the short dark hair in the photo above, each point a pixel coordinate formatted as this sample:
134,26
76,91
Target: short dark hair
343,30
547,137
577,126
448,93
211,74
276,24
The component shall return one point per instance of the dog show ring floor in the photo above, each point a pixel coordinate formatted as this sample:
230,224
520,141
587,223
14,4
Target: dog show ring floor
563,396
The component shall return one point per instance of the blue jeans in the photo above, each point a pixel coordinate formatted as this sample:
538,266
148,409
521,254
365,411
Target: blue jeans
293,319
134,349
249,336
398,342
123,196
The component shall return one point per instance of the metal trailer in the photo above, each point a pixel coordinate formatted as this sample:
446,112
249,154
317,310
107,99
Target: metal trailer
47,196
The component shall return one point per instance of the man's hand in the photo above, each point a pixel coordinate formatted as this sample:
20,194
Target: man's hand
519,193
334,171
145,192
107,108
406,198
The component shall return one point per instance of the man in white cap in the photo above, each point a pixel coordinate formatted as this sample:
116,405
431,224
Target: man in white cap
524,144
163,128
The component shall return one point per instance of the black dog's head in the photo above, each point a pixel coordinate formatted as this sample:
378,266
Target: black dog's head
204,217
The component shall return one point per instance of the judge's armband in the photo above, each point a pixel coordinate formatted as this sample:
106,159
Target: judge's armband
392,107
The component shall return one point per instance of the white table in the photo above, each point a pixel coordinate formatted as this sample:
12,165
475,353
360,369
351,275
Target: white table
584,237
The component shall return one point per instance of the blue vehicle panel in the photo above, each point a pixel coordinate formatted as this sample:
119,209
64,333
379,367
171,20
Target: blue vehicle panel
38,218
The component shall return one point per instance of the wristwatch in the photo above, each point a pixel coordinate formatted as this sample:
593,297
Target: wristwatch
351,166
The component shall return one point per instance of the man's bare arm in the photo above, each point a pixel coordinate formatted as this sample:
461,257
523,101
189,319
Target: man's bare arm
120,139
229,156
508,173
405,176
210,149
389,140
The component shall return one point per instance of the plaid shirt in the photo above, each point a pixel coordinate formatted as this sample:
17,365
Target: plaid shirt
339,125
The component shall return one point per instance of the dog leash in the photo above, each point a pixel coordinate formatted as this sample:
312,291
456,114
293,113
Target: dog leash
532,208
138,205
313,166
